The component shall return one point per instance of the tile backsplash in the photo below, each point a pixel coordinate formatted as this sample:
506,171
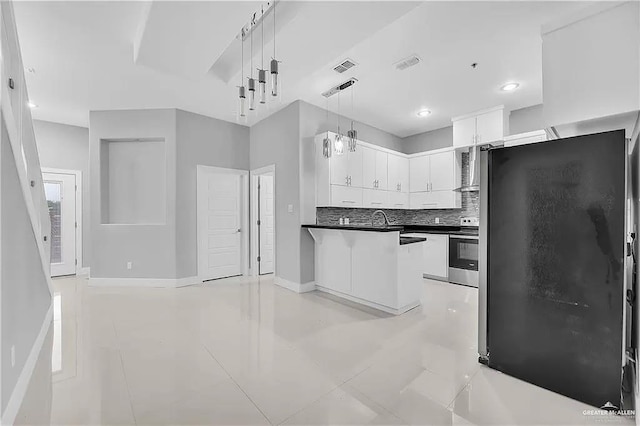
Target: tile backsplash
332,215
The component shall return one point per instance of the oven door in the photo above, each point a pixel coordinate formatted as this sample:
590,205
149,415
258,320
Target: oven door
463,252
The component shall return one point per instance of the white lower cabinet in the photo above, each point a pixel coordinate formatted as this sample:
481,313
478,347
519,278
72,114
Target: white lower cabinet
374,199
435,257
346,196
398,200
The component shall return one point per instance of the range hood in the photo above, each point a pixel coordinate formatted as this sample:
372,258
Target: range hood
472,183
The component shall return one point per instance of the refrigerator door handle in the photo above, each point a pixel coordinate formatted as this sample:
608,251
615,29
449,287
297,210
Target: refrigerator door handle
483,261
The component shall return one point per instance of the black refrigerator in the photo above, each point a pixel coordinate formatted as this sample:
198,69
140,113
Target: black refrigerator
555,294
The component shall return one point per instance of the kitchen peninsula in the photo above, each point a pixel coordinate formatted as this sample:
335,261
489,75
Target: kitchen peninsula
371,265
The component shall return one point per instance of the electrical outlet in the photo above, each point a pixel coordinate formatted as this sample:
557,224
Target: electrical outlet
13,355
129,265
437,220
290,208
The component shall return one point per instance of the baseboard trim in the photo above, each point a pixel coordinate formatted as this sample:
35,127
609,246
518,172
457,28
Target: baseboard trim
84,271
20,390
144,282
296,287
374,305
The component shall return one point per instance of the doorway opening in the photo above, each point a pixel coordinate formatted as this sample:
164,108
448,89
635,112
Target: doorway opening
263,228
222,222
63,194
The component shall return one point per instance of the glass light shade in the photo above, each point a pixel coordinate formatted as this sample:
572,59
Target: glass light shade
274,78
242,103
252,94
326,147
352,136
262,86
338,145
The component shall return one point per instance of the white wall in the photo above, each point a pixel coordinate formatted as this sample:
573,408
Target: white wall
276,140
25,292
205,141
136,187
591,64
150,248
61,146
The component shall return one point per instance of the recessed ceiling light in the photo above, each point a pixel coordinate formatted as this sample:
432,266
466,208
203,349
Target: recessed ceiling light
32,105
423,113
509,87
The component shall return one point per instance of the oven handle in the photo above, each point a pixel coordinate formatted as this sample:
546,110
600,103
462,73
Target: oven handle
464,237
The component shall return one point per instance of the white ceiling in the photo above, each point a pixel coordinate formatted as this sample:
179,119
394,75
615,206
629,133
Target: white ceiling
129,55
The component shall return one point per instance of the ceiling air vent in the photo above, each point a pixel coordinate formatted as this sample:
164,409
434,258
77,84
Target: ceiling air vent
407,62
344,65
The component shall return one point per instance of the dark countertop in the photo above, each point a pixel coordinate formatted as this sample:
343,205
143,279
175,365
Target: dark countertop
441,229
355,227
404,229
410,240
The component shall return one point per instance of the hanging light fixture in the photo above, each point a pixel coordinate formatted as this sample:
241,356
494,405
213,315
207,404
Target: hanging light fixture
262,73
274,61
338,144
252,81
352,134
327,147
242,98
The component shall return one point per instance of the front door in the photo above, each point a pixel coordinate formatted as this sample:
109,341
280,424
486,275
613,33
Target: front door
266,224
60,191
219,218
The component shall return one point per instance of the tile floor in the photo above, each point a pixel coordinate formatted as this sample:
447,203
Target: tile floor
246,352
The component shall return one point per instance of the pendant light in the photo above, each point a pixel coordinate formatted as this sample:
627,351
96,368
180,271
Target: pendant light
274,61
252,81
338,144
327,148
242,98
352,134
262,73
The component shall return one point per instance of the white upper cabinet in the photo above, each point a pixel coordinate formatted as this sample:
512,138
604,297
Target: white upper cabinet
482,127
381,169
490,127
442,169
419,174
375,177
346,169
398,176
374,168
464,132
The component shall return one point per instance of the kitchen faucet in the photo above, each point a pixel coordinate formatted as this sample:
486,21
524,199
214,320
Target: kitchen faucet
386,219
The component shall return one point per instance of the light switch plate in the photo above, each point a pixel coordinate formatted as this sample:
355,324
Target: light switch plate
129,265
290,208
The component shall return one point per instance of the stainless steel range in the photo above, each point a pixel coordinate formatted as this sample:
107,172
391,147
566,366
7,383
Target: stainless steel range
463,253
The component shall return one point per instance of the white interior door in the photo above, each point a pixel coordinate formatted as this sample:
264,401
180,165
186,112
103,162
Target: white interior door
219,221
267,226
60,191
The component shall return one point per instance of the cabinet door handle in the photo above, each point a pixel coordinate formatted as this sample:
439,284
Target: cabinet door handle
429,204
349,201
346,180
376,203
